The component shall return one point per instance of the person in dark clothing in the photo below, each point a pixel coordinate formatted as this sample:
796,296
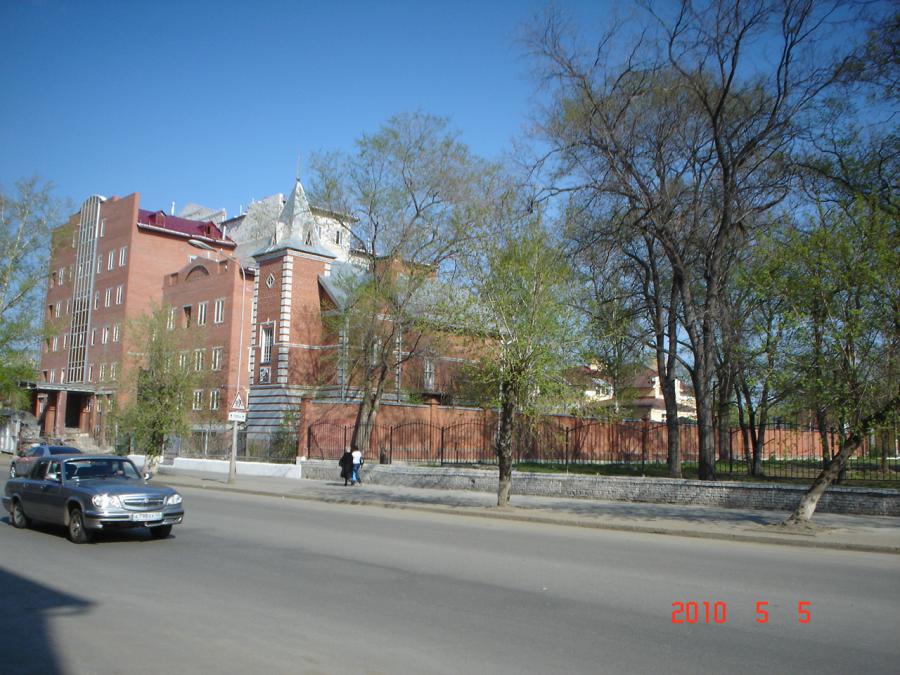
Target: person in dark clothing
346,464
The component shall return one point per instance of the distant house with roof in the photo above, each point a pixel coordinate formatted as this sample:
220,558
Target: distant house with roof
640,396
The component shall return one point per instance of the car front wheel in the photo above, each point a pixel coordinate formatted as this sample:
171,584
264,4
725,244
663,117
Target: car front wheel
78,533
19,518
161,532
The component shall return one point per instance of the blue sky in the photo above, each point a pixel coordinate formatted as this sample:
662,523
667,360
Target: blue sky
211,102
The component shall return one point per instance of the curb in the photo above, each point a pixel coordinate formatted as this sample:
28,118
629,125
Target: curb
528,516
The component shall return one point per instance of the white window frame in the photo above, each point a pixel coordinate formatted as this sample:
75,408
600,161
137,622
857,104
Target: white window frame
105,335
266,342
107,297
123,256
120,294
170,324
111,260
198,359
201,313
115,332
215,362
197,403
219,310
214,396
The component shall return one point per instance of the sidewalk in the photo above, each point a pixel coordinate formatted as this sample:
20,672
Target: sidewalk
830,531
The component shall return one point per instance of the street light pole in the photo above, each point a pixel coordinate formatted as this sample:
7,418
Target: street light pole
196,243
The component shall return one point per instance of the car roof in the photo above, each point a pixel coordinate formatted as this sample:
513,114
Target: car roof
97,455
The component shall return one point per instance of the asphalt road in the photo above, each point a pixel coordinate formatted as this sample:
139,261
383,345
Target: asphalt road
259,585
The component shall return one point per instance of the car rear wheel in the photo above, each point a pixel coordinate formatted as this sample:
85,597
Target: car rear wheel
78,533
161,532
19,518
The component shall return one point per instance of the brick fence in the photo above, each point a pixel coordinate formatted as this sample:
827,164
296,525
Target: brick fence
764,496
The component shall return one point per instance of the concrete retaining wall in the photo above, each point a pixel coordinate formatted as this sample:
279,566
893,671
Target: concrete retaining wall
765,496
221,466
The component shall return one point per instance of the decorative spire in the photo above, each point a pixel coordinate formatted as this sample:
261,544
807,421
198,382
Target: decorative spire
296,221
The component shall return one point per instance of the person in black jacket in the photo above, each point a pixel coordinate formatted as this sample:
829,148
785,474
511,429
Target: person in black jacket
346,464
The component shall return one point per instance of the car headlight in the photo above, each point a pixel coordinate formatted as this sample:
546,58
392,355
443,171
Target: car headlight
171,500
105,501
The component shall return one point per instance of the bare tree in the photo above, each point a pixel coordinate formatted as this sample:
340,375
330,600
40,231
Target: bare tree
690,135
415,195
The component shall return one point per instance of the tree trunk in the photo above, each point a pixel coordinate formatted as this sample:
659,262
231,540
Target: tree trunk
504,446
808,503
366,415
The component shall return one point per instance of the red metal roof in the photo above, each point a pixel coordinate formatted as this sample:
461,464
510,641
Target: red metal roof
189,228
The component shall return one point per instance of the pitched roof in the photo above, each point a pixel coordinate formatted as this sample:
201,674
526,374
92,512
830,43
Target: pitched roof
183,227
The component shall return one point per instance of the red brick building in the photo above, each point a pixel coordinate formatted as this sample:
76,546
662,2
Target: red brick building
107,267
255,302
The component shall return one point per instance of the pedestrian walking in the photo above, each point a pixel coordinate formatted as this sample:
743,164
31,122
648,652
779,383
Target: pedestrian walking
346,464
357,462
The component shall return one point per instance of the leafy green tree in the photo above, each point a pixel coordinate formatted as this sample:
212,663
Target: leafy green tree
523,303
413,195
157,386
843,292
26,219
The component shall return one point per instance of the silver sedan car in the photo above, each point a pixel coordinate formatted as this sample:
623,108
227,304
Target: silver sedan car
90,493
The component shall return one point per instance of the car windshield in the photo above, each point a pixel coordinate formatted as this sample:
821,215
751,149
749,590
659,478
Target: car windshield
112,467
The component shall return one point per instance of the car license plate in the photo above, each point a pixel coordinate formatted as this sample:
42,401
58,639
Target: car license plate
150,515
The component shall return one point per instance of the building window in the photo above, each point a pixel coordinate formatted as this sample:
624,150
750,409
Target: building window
123,256
55,342
102,226
339,237
105,338
116,330
270,280
65,340
52,377
96,299
219,311
201,313
102,372
183,360
170,324
56,309
99,263
429,375
91,372
93,336
266,333
198,359
113,367
214,399
198,400
111,261
216,360
120,294
107,297
186,323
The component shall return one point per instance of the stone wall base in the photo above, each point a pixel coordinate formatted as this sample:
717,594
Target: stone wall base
763,496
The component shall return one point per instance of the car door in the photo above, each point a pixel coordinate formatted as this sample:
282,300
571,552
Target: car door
46,491
31,492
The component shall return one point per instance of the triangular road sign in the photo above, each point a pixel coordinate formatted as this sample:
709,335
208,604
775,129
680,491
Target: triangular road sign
238,403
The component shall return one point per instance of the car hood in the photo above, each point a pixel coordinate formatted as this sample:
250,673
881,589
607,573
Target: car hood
113,486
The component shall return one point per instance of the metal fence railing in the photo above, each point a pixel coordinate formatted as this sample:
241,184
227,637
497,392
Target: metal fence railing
789,452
